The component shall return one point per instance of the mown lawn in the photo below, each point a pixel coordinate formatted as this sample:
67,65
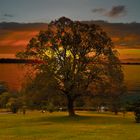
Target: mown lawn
58,126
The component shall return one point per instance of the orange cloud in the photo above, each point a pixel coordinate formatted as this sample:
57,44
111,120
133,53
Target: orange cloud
115,39
13,41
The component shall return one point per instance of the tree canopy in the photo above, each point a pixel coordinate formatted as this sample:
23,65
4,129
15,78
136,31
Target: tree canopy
73,56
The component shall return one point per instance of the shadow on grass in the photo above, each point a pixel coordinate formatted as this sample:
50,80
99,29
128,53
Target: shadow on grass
89,120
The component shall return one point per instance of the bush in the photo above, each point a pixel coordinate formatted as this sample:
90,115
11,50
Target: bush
50,107
137,111
14,105
137,114
4,97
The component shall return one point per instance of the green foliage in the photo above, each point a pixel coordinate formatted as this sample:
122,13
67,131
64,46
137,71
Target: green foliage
4,97
11,100
75,56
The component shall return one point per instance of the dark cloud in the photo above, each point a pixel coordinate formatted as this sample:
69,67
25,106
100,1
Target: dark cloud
5,16
98,10
8,15
117,11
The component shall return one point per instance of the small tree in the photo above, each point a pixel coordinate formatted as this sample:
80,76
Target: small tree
74,55
4,97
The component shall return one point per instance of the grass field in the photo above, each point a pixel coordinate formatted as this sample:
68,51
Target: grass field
58,126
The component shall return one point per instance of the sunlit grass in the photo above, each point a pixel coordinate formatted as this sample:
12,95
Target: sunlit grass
55,126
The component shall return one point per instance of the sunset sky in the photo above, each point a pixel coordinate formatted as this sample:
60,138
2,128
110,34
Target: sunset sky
47,10
14,37
126,37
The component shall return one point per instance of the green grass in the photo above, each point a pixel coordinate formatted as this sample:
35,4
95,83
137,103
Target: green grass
58,126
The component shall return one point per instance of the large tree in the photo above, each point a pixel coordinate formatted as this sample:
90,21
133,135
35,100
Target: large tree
75,56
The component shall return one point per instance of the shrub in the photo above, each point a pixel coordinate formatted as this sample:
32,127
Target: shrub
14,105
137,111
137,114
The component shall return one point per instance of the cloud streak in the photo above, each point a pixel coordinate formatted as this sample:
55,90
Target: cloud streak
98,10
114,12
117,11
8,15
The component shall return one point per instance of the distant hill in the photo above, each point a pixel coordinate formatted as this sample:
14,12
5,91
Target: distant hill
22,26
120,28
16,61
31,61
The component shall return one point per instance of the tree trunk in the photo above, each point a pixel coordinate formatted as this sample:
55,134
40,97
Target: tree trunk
71,106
